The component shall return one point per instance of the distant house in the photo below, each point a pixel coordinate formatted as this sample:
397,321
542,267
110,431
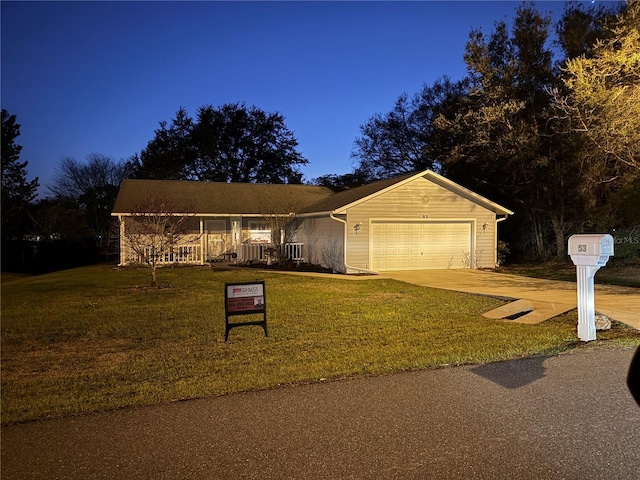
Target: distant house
412,222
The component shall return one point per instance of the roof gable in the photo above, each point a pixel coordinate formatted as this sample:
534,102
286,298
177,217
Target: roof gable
466,193
353,196
342,201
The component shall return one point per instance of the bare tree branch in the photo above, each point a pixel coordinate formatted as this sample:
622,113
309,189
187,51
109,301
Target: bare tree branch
153,231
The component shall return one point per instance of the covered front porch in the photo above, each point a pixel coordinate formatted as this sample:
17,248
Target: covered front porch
214,239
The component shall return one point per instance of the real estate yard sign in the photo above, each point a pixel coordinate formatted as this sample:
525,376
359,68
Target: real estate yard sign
245,299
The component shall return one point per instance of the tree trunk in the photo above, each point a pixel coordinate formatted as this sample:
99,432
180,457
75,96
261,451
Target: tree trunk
538,237
154,283
558,225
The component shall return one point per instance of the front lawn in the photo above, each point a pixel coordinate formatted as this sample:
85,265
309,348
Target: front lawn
96,338
625,275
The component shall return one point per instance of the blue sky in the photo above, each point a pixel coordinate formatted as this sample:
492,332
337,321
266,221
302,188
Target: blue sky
85,77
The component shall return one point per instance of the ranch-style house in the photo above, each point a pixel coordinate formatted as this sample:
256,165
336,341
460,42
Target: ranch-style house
411,222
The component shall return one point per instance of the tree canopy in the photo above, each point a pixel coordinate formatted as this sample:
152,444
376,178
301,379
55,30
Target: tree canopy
557,142
90,187
17,192
230,143
601,99
405,140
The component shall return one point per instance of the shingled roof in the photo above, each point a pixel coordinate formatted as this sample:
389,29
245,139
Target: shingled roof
217,198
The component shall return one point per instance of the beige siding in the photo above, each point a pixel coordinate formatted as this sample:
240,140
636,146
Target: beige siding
323,240
424,201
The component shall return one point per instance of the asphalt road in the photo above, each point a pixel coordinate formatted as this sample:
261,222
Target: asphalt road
561,417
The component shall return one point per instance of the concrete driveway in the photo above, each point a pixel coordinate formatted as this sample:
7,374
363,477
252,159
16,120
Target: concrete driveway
550,296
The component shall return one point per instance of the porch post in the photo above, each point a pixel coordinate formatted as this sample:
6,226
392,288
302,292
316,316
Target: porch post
121,241
239,242
201,241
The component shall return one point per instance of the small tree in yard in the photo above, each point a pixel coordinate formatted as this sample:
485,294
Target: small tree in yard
153,230
283,228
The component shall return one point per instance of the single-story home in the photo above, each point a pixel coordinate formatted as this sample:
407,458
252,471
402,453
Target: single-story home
414,221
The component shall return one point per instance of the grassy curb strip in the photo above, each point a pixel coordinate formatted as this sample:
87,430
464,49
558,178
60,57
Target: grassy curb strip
95,338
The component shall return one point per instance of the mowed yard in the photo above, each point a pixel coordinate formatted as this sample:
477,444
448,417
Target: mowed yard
97,338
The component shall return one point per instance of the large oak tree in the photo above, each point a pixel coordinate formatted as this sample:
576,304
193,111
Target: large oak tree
230,143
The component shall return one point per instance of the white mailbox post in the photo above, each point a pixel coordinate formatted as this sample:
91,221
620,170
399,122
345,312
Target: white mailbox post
589,252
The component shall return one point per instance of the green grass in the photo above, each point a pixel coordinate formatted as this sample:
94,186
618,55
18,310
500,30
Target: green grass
625,275
11,277
94,338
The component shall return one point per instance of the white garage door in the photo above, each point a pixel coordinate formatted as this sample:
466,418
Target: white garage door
420,245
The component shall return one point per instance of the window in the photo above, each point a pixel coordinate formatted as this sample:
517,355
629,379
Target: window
259,232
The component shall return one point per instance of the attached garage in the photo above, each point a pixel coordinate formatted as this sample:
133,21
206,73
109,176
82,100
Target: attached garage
418,221
420,245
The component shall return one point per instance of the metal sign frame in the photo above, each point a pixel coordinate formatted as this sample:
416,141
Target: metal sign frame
246,298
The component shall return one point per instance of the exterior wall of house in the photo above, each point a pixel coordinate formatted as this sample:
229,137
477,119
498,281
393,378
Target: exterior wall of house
323,240
424,201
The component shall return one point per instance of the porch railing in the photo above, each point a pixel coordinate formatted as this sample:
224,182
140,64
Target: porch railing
259,252
178,254
294,251
192,253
